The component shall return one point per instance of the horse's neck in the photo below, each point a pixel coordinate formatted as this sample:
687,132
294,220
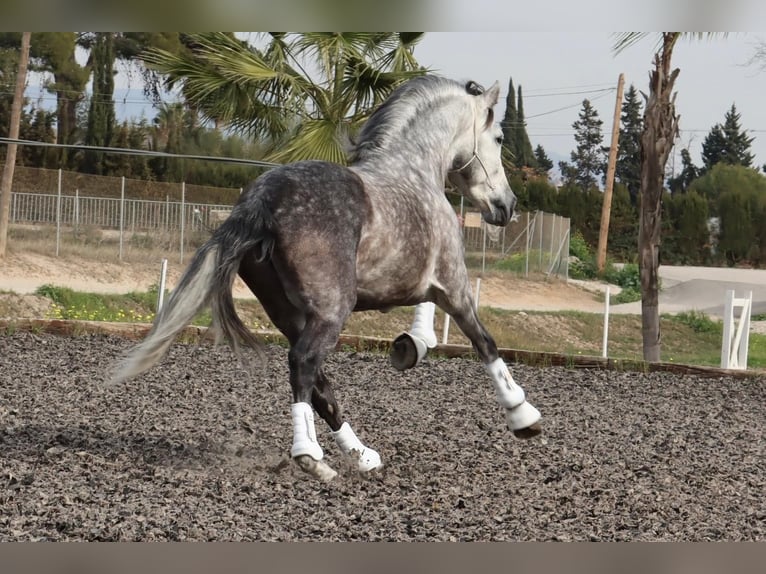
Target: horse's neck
421,162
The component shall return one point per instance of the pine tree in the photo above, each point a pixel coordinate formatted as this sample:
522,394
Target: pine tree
727,143
689,172
737,150
628,167
713,147
544,163
588,159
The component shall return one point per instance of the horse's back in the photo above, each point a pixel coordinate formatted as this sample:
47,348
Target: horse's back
310,188
313,210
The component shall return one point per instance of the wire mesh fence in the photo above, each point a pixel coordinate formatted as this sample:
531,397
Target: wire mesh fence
532,243
122,215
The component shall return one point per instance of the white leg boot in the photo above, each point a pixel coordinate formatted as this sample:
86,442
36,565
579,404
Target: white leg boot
306,451
366,458
410,347
519,414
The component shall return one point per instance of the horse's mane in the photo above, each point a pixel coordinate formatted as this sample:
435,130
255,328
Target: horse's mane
405,103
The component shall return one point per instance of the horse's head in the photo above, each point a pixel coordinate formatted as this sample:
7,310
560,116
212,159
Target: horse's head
477,170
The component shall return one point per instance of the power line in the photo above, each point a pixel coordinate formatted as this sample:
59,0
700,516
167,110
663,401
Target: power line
141,152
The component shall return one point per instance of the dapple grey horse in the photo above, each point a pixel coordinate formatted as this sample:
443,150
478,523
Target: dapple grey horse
315,241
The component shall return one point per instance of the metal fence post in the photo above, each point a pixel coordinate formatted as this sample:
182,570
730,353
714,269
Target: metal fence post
122,212
76,211
183,217
526,252
58,215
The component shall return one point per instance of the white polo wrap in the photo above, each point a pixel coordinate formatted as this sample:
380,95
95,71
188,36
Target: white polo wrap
304,432
351,446
423,324
508,393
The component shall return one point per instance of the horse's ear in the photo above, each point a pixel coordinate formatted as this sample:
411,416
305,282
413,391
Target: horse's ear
492,95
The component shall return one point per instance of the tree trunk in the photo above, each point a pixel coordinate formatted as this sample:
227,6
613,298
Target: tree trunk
659,133
6,185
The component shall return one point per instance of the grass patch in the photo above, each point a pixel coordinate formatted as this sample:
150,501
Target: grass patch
689,338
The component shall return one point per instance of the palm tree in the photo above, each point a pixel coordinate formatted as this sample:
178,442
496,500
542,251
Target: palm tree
657,138
13,133
306,93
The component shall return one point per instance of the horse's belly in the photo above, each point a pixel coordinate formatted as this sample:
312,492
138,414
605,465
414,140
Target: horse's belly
390,290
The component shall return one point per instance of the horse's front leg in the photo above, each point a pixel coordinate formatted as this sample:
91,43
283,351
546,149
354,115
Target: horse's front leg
522,418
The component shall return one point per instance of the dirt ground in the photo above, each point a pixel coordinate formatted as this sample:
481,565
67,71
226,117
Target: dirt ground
198,449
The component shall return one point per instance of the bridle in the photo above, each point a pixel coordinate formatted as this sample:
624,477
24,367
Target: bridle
475,156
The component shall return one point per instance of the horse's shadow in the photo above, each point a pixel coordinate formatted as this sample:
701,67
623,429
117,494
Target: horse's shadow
42,445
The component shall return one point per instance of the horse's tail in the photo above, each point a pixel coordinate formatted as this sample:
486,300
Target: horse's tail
207,281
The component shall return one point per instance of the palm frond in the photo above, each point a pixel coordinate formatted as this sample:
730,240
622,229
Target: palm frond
320,139
625,40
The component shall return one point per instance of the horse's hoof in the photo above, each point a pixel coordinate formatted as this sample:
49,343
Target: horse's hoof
529,432
366,461
316,468
522,417
407,351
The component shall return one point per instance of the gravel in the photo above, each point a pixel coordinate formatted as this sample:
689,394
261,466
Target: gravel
197,449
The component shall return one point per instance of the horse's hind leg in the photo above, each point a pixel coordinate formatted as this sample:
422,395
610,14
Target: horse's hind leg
265,283
522,417
323,400
312,388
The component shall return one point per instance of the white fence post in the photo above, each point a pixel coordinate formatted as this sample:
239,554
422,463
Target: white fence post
478,291
734,345
161,289
445,329
606,324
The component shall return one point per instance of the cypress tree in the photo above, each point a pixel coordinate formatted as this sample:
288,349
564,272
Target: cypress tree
526,157
101,117
628,167
508,125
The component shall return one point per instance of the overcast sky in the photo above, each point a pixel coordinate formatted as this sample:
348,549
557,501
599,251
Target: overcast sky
714,74
558,69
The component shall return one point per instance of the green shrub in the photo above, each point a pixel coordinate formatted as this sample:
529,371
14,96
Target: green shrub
627,295
583,268
579,248
628,277
699,322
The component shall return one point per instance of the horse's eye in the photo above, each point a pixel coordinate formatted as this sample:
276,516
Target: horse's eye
499,140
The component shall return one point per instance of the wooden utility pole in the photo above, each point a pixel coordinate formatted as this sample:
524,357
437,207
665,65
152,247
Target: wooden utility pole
607,205
13,133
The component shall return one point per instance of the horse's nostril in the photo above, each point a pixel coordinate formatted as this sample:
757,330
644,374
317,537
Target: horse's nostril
506,209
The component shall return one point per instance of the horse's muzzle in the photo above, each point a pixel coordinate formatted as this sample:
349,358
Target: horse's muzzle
500,212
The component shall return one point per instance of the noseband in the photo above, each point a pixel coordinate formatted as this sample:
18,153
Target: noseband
475,156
